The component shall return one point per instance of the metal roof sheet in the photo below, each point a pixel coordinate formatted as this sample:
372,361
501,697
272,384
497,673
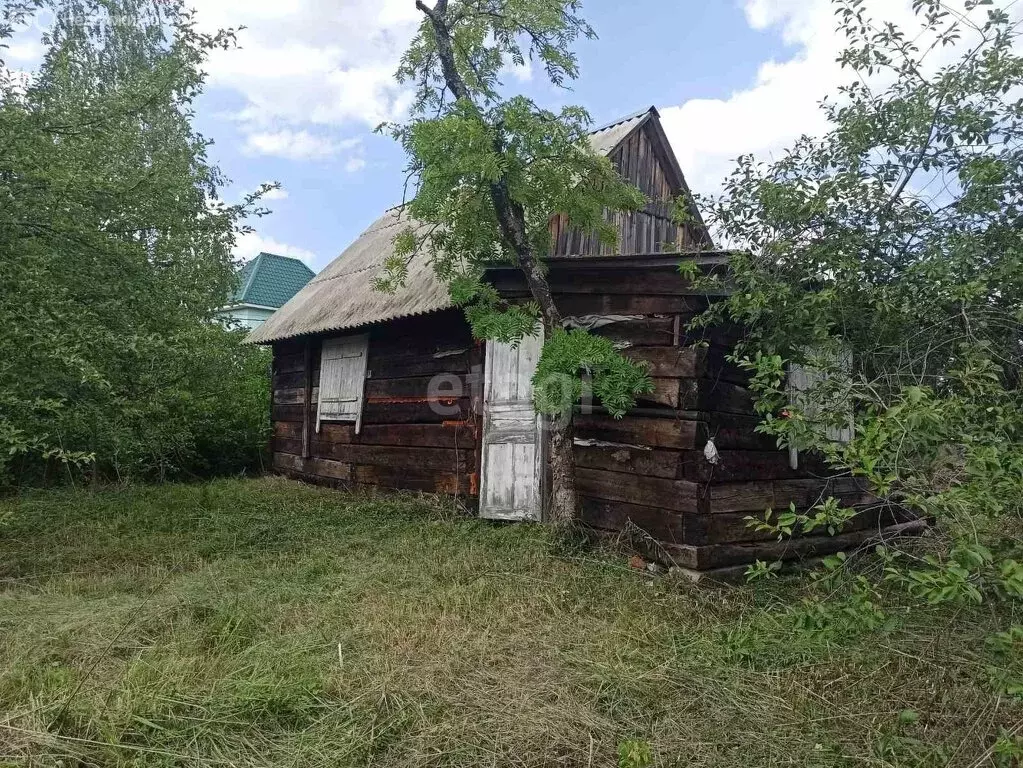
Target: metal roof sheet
605,138
270,280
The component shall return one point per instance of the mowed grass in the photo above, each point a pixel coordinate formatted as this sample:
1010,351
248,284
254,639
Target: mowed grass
269,623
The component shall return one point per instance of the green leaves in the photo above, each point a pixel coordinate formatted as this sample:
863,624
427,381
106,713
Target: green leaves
117,253
829,516
635,753
490,171
575,364
896,236
489,38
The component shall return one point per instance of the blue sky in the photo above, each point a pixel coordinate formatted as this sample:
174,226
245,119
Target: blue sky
296,103
648,52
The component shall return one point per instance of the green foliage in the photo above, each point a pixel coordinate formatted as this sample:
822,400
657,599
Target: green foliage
762,570
829,516
575,364
887,256
635,753
483,145
117,252
491,318
953,578
1008,750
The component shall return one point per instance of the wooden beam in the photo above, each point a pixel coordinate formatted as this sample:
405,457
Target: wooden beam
307,406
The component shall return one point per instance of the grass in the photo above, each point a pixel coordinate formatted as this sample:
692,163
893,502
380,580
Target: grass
267,623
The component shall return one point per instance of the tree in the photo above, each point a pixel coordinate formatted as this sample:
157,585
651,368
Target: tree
489,172
116,249
895,241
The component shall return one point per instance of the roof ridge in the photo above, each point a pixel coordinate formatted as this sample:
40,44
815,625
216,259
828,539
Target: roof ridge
252,276
349,273
627,118
377,227
287,258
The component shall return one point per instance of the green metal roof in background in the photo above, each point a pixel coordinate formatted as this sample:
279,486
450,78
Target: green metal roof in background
270,280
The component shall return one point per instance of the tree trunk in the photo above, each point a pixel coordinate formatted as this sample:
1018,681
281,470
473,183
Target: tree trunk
512,221
564,504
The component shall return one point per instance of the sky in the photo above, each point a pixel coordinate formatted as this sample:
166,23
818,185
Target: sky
297,101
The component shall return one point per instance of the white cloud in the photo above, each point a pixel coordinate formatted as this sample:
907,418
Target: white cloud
782,103
251,244
312,62
29,51
297,145
311,72
522,72
307,69
280,193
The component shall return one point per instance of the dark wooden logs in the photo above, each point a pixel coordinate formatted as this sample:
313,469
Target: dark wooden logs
639,430
758,495
417,429
636,461
712,528
677,495
615,516
648,469
729,554
307,399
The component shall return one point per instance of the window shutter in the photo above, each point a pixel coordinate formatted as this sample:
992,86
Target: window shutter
801,380
342,380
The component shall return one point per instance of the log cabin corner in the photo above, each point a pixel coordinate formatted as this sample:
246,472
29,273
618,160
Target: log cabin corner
374,390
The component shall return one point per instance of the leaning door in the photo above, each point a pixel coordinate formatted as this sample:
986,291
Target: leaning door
511,486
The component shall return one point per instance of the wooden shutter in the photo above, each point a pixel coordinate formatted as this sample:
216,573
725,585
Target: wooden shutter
513,460
801,381
342,380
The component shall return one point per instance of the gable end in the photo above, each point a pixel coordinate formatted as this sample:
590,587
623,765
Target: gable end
643,156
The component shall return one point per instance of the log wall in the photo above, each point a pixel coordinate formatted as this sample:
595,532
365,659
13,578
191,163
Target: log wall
413,436
647,470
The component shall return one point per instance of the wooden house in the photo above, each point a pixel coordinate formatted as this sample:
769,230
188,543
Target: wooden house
391,391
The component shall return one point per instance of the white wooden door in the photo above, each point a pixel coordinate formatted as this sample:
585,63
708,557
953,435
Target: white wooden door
513,463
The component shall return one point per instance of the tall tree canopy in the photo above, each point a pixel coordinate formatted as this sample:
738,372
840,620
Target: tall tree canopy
488,172
116,249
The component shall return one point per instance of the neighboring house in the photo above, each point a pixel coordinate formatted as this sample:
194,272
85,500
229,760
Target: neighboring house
390,390
264,285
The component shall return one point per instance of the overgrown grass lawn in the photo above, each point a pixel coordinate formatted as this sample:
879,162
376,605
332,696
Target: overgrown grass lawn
268,623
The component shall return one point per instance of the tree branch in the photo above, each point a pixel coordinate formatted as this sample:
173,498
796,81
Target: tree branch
511,217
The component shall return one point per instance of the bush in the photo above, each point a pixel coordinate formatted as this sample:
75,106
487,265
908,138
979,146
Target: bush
888,256
116,256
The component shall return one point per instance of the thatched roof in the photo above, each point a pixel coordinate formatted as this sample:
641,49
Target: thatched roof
342,295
